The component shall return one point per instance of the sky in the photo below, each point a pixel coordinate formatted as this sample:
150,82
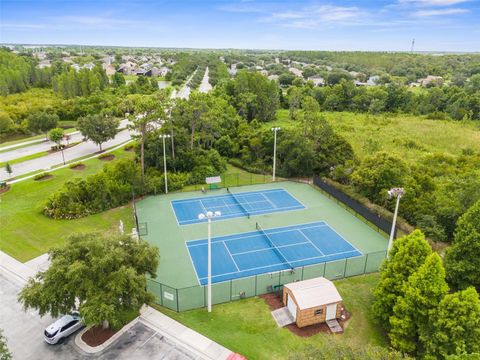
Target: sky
389,25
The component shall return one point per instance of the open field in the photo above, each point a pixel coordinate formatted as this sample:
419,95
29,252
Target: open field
26,233
247,327
408,136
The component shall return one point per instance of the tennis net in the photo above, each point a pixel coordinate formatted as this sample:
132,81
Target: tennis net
239,203
272,245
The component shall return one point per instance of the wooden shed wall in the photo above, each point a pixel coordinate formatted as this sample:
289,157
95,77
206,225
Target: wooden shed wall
307,317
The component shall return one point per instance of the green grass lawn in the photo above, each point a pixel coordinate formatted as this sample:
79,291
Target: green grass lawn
247,327
26,233
408,136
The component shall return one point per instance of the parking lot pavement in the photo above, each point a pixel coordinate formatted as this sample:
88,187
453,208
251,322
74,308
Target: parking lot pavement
24,334
142,342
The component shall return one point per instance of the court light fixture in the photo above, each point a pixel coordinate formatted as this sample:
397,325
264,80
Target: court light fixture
209,215
398,193
165,136
275,129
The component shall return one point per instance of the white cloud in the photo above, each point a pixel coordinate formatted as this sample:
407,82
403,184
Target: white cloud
316,16
439,12
433,2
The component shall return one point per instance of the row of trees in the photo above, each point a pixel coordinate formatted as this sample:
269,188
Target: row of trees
438,102
413,304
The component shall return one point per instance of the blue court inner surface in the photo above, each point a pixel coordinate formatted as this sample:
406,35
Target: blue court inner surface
236,205
247,254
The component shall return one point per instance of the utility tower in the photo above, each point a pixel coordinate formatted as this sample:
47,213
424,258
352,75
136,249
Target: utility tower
413,44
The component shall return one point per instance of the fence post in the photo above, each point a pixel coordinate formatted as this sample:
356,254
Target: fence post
303,269
176,291
324,268
230,290
161,297
345,268
365,267
256,285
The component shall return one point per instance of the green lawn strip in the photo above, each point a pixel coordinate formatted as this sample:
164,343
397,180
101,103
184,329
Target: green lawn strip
247,327
24,158
26,233
32,156
28,138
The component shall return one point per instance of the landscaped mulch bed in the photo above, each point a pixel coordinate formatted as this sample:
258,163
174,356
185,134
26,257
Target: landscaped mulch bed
274,301
43,178
97,335
4,189
79,167
65,148
107,158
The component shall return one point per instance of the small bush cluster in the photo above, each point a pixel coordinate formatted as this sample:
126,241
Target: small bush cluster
75,164
41,176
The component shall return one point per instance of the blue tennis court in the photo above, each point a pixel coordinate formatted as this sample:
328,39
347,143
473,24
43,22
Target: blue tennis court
269,250
235,205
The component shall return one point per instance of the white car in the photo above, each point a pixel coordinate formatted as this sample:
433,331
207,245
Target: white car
63,327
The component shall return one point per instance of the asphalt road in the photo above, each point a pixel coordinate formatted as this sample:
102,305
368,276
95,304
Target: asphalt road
75,152
44,145
24,334
205,85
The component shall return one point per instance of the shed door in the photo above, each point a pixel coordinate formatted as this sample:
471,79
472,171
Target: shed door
292,307
331,312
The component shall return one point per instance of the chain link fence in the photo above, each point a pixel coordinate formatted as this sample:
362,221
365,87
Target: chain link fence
196,296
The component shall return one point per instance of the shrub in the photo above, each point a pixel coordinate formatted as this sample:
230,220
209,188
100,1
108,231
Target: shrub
41,176
75,164
105,155
99,192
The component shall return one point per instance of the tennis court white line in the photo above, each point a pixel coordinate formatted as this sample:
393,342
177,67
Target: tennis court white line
252,213
228,195
282,263
270,248
315,246
194,267
268,200
257,233
229,253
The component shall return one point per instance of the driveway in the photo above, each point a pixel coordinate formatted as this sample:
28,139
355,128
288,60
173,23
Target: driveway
24,334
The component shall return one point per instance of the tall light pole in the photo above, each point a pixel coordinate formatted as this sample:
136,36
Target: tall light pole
165,136
275,129
209,215
398,193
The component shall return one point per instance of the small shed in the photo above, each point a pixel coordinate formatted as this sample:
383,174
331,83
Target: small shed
312,301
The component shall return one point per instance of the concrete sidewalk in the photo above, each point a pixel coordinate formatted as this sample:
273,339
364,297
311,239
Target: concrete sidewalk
14,269
189,338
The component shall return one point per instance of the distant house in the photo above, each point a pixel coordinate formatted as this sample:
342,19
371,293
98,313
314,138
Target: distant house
312,301
76,67
273,77
359,83
264,72
296,71
431,80
89,66
109,69
44,64
317,80
373,80
164,71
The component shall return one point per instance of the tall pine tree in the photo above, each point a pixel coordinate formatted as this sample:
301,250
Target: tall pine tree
455,325
408,253
412,312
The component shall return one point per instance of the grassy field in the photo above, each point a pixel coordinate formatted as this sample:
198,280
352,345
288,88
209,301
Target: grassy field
408,136
247,327
26,233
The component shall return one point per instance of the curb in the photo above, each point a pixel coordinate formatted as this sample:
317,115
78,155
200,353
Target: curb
96,349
